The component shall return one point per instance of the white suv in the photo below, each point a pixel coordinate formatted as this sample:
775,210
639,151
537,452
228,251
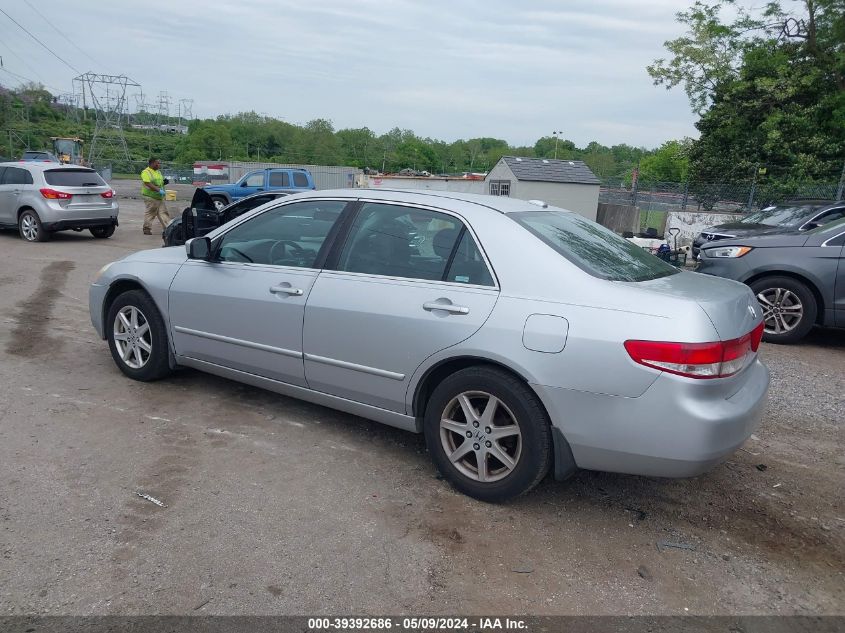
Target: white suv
40,198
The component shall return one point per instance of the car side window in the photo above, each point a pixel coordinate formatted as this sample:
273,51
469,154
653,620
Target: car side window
468,266
2,172
839,240
830,216
289,235
299,179
255,180
17,176
399,241
279,179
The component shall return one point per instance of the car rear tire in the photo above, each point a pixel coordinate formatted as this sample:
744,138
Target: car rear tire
102,232
219,203
30,227
789,308
490,454
137,336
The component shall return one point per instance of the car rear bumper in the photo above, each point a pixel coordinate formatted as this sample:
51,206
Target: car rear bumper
679,427
87,223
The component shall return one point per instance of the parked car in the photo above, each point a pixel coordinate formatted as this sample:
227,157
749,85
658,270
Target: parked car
516,336
39,199
285,179
797,216
798,278
203,215
44,157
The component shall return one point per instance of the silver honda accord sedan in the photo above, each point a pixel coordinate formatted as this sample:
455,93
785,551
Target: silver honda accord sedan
518,337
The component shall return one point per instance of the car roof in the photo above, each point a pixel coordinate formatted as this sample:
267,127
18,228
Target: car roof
42,166
501,204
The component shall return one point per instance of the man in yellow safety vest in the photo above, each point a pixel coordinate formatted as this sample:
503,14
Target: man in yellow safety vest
152,189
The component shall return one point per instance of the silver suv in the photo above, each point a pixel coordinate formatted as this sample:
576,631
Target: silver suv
41,198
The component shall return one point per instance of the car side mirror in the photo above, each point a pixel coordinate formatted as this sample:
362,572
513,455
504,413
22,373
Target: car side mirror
810,226
244,184
198,248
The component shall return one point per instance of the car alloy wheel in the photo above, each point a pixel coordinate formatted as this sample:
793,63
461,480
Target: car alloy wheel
132,337
29,227
782,310
481,436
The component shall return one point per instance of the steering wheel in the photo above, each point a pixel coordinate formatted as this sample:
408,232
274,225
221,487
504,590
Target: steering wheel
283,243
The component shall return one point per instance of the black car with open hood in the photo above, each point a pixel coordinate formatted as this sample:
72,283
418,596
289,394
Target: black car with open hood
203,216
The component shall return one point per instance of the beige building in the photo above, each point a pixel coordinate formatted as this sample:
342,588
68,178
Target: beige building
568,184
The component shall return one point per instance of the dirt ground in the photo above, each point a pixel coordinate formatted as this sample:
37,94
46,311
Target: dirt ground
275,506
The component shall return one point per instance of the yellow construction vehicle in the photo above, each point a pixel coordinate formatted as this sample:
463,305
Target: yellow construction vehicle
68,149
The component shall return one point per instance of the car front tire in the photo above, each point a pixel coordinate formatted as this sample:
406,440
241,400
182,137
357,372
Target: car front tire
137,336
30,227
789,308
491,454
219,203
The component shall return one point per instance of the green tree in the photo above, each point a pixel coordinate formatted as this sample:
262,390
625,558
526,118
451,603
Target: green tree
770,87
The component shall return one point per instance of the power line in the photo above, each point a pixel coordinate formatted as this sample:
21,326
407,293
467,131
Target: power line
29,79
43,17
22,61
39,41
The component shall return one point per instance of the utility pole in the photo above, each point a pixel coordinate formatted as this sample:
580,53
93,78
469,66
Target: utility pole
841,188
556,134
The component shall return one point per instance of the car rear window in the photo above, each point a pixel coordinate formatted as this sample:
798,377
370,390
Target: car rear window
73,178
593,248
300,179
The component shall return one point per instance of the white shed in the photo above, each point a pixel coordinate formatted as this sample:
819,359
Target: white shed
568,184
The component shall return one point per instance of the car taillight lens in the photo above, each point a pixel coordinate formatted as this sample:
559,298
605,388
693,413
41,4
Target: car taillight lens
108,194
52,194
697,360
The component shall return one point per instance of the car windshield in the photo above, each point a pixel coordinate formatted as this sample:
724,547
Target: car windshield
593,248
789,216
73,178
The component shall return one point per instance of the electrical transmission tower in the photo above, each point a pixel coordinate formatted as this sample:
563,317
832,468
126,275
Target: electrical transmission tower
106,95
186,111
70,102
163,108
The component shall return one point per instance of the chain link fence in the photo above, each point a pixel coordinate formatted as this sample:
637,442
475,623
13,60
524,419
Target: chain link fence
728,197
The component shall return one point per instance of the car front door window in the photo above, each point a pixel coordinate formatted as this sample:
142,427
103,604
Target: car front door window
289,235
254,180
399,241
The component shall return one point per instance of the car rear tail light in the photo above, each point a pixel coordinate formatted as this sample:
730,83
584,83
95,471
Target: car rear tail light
52,194
697,360
108,194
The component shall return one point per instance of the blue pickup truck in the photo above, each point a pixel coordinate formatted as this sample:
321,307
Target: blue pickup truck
273,179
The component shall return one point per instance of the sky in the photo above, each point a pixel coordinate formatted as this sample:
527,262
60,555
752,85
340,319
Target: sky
446,70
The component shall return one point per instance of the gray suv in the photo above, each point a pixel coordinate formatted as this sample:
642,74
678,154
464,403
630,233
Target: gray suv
38,199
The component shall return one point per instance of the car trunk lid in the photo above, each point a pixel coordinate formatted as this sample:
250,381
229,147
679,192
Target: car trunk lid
730,305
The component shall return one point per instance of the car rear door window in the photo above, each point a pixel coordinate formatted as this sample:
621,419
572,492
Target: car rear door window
593,248
289,235
73,178
400,241
300,179
17,176
468,265
279,179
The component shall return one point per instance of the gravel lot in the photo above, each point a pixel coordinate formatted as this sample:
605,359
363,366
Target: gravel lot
275,506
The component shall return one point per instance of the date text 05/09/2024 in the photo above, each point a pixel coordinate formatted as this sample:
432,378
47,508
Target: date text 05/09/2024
429,623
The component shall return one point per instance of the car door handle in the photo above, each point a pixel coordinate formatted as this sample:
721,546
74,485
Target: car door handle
286,290
446,307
